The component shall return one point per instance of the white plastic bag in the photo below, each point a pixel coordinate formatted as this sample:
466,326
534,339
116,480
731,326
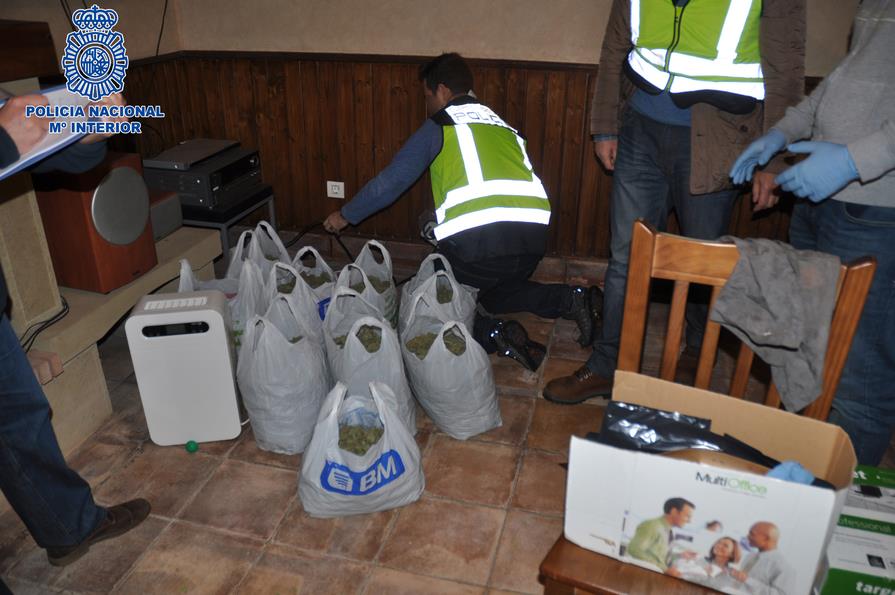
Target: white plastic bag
249,299
425,301
456,391
188,282
284,280
283,379
382,272
353,277
266,248
359,366
320,271
334,482
346,308
239,253
427,269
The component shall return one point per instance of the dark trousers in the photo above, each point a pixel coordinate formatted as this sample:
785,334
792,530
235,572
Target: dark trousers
864,405
53,501
505,288
652,176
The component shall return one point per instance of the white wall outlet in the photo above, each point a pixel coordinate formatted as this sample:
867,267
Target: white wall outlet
335,189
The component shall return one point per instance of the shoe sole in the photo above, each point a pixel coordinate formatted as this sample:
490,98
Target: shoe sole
78,553
576,402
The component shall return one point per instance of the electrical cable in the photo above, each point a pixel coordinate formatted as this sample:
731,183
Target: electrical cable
28,343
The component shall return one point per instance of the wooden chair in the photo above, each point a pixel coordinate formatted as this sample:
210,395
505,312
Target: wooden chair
657,255
569,569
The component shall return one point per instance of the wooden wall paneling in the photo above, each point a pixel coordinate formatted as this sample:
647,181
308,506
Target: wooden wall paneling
570,173
587,191
330,117
297,147
192,70
490,86
313,110
346,130
364,145
515,98
533,120
273,136
185,93
388,136
419,197
210,88
551,160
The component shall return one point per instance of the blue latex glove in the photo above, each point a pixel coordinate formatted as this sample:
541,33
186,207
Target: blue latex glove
829,168
791,471
758,153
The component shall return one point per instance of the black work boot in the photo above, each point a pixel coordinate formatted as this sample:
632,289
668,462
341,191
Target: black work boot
512,341
586,310
119,520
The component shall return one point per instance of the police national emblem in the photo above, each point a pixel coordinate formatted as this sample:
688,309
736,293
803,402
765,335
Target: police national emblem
95,60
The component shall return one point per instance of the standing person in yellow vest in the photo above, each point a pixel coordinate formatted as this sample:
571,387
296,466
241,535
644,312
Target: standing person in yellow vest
683,87
491,211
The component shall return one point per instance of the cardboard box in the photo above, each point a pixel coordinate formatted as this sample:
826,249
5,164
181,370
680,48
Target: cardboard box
611,492
861,555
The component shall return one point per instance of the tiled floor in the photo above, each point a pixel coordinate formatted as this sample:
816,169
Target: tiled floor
227,519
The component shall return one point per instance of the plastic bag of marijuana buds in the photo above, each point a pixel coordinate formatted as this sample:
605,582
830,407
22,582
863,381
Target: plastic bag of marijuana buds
376,262
346,307
334,481
451,377
282,377
354,278
266,248
445,298
317,275
372,354
284,280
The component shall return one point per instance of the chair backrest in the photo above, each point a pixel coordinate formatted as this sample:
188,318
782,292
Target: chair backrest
657,255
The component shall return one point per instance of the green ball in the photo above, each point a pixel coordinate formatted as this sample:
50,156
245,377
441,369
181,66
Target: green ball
191,446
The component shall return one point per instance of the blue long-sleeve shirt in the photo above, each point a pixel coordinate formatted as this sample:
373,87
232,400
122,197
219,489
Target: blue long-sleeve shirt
408,165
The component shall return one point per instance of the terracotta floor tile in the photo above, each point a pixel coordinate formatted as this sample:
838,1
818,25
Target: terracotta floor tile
471,471
358,536
550,270
541,486
130,424
585,272
166,476
99,569
283,570
191,559
247,450
552,424
100,456
385,581
423,437
515,412
222,448
502,592
557,366
15,540
242,497
511,377
444,539
423,421
525,541
23,587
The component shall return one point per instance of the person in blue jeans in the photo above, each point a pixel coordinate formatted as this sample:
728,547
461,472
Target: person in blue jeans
53,501
680,93
848,181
